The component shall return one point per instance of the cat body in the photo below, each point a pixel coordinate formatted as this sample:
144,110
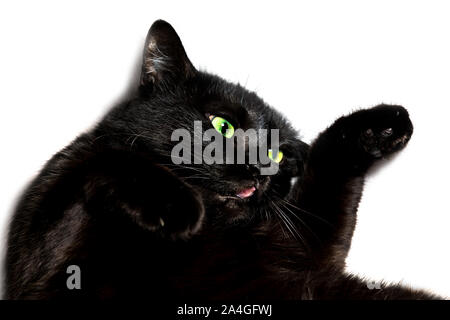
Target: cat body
139,225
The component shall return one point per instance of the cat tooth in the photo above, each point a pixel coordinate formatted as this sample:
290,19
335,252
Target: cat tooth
161,222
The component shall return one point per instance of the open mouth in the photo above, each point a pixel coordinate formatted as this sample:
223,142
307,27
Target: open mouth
241,194
246,193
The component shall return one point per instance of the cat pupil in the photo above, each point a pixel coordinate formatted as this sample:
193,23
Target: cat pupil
224,128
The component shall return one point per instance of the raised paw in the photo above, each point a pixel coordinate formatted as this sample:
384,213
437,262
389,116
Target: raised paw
353,143
384,130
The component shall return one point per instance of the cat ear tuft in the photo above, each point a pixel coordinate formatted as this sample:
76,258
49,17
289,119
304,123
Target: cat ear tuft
165,61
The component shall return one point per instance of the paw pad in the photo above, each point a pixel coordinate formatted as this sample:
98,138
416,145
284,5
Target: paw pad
387,132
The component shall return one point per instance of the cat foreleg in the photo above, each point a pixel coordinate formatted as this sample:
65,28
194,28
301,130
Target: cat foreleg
329,193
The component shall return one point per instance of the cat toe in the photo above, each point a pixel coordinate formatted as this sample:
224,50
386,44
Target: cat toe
180,218
389,130
185,218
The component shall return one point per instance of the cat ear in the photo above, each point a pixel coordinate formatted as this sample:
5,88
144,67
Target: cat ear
165,61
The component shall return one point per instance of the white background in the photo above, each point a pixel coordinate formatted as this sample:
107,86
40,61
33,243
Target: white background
62,65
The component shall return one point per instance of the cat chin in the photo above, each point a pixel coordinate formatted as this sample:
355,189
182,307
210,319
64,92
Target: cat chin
229,209
235,212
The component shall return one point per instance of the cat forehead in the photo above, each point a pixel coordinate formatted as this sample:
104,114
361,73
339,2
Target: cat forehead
236,97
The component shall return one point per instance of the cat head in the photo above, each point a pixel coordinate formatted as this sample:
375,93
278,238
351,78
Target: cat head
174,95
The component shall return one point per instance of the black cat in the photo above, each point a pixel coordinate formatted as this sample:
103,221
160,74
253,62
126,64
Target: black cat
140,226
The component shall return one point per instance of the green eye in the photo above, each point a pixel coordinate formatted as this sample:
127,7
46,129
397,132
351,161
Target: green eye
222,126
275,157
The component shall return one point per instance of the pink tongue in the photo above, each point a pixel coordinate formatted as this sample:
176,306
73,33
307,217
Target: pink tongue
246,193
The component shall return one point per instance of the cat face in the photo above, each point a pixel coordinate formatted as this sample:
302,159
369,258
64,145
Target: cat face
172,96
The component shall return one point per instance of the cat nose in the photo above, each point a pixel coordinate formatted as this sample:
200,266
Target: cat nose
253,169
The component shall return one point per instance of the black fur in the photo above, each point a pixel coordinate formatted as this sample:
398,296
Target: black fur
113,202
